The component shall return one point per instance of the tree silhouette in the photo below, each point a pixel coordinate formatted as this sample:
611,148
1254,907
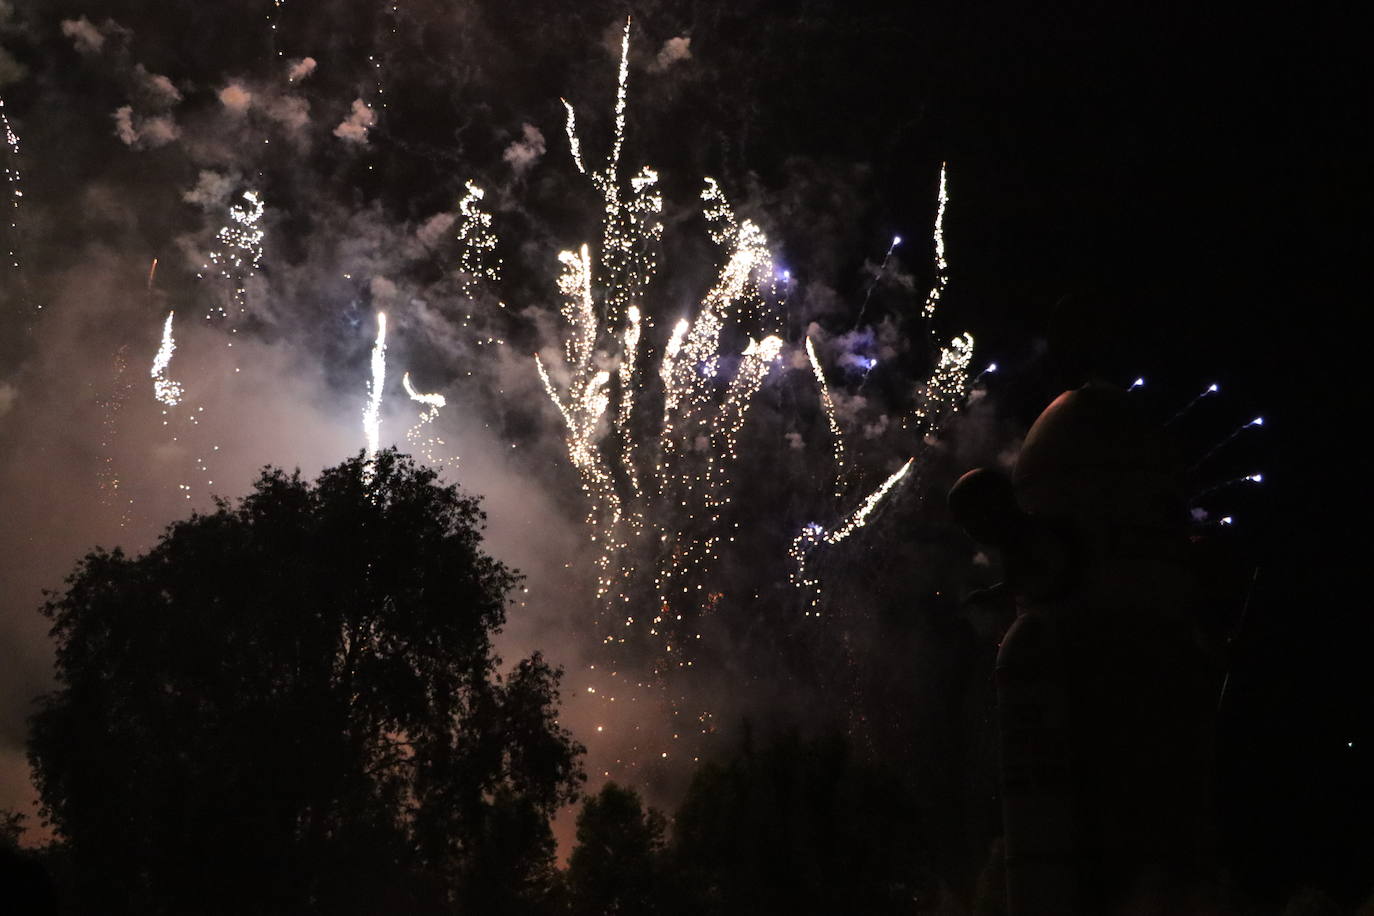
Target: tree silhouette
615,867
293,705
800,826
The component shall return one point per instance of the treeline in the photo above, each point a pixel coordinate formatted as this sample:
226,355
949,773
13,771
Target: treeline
796,826
292,705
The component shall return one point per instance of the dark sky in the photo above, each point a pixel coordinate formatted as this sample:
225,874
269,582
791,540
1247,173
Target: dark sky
1190,179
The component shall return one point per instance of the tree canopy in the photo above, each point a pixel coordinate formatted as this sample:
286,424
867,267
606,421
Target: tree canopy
293,704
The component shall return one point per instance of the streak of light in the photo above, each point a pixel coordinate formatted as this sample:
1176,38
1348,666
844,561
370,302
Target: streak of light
415,435
941,265
167,391
372,413
836,436
815,535
1206,392
1257,421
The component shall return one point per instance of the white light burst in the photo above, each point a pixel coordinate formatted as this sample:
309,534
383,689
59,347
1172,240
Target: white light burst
167,391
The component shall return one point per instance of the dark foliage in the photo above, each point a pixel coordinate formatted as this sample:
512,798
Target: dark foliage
617,866
293,705
800,826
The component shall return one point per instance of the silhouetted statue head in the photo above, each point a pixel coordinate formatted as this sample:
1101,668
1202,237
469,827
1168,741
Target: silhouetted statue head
1092,456
984,504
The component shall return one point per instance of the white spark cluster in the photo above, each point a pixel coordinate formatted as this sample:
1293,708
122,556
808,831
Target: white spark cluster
943,393
14,182
167,391
478,241
238,253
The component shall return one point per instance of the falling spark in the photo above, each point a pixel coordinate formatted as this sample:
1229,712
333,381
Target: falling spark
164,389
372,413
1138,383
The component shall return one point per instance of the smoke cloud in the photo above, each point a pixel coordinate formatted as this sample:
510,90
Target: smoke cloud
300,69
674,50
523,153
353,129
85,37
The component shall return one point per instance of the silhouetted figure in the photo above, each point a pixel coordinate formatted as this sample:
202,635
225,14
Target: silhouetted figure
1106,687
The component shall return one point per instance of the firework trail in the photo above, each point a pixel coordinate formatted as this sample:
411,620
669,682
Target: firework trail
167,391
660,492
1206,392
836,435
372,413
814,535
415,435
937,400
1258,421
941,265
882,269
1248,478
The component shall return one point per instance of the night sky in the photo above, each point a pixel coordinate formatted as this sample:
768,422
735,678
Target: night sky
1134,192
